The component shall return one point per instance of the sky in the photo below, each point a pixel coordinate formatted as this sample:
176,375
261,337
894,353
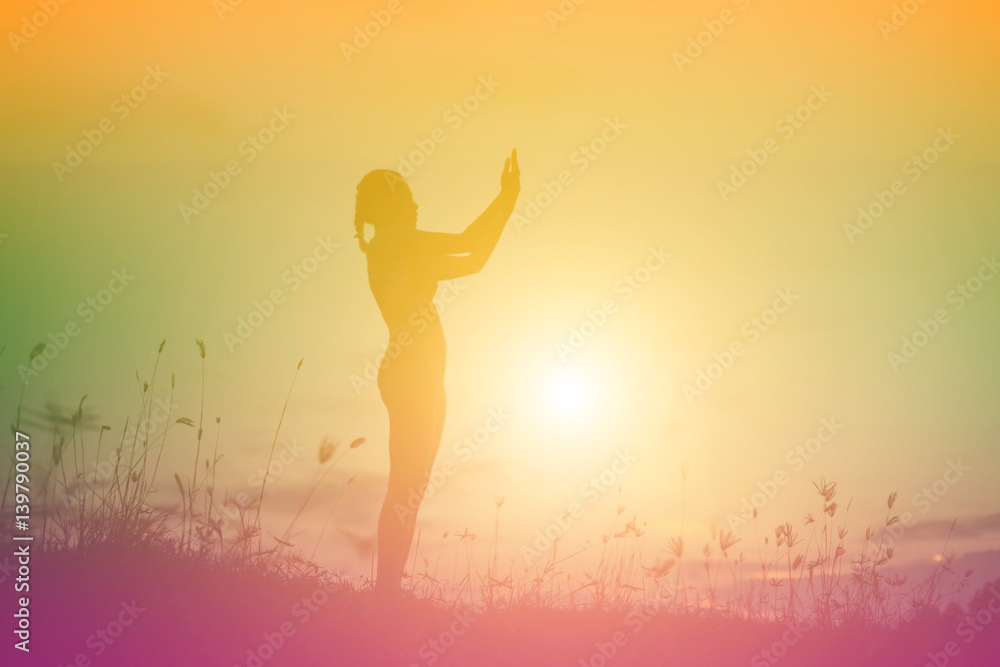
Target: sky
756,247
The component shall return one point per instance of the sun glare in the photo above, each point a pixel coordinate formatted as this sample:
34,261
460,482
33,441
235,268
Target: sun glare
568,392
578,407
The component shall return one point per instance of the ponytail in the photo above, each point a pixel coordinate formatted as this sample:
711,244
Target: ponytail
359,226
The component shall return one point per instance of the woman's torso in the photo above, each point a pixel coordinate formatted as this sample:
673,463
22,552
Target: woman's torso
404,289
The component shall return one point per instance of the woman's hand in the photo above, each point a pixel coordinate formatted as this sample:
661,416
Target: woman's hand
510,179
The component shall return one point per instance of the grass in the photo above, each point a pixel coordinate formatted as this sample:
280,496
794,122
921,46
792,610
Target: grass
801,573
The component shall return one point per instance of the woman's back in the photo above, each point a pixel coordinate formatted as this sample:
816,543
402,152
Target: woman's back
404,288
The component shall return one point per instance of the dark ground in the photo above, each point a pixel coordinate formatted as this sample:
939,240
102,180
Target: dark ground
185,614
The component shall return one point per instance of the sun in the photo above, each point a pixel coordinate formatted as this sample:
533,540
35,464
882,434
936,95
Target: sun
575,409
573,403
568,392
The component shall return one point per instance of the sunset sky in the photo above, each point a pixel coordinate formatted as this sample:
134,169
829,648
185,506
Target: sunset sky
687,283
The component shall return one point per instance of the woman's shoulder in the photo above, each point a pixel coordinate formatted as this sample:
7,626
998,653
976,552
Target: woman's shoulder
393,242
395,232
384,238
389,253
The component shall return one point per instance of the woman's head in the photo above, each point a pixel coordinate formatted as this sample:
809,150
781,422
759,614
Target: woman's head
383,199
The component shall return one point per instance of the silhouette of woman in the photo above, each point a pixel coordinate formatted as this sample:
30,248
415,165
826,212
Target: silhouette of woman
404,267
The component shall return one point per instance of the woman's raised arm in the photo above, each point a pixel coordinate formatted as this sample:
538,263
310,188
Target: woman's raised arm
481,236
484,232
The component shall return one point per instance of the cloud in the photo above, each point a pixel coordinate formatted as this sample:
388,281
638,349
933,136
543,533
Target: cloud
977,527
988,523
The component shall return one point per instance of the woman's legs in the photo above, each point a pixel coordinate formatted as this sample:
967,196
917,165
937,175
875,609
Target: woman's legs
416,421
